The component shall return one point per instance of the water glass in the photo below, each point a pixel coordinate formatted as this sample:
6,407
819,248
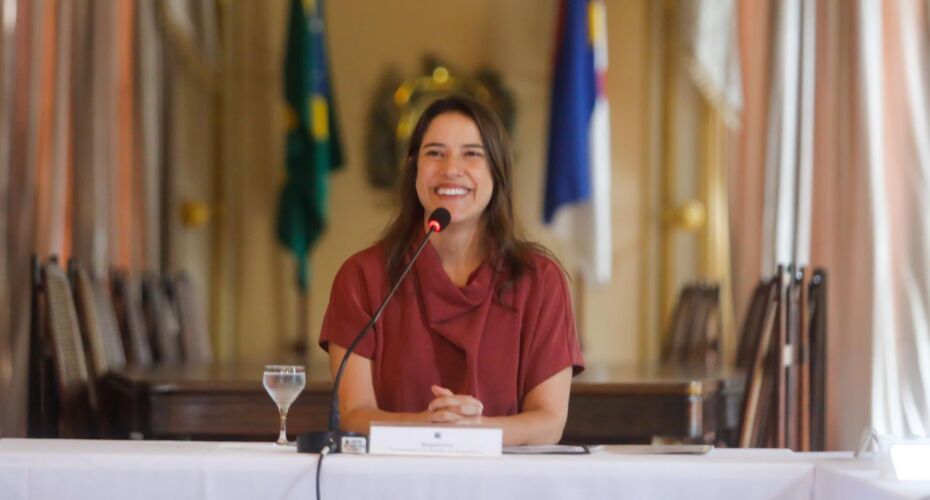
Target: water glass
284,383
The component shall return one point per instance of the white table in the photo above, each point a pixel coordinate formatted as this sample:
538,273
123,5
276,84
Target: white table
840,476
53,469
60,469
744,474
46,469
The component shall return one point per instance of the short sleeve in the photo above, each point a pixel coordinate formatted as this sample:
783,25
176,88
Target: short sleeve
349,310
553,343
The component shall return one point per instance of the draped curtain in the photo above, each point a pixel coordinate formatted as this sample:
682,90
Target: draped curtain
114,116
70,181
842,164
747,144
895,76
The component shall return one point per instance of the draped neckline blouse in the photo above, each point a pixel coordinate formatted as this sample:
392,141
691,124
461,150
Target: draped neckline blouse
470,339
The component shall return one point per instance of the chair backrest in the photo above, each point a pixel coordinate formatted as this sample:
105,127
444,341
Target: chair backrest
195,336
694,331
759,391
784,395
679,325
127,296
752,324
98,322
817,314
162,321
704,332
43,408
76,399
794,361
113,341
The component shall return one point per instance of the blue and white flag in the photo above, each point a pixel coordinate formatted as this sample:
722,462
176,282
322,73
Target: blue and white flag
577,200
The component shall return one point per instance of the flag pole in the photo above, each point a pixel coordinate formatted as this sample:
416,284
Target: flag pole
302,343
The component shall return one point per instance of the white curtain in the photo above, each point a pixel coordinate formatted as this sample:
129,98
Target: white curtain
894,71
789,154
848,188
848,179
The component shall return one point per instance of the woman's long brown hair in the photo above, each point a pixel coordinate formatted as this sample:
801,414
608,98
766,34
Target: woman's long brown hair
508,252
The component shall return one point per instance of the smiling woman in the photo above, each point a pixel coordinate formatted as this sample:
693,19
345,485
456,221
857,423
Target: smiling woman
483,329
452,169
459,143
453,173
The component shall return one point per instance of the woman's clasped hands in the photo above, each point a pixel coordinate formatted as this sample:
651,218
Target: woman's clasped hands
448,407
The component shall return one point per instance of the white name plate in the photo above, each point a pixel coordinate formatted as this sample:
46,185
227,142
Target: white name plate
390,438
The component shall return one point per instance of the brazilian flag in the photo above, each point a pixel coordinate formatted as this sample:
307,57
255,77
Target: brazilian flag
313,149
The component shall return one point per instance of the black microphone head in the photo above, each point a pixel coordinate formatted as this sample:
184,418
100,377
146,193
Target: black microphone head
439,219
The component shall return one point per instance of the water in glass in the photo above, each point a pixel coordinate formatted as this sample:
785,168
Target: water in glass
284,383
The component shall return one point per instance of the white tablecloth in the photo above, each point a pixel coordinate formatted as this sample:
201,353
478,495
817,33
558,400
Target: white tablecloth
840,476
733,474
63,469
53,469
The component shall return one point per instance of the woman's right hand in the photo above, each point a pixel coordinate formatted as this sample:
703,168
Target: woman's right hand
451,407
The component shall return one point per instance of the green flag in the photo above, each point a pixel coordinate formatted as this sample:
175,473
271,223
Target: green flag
313,149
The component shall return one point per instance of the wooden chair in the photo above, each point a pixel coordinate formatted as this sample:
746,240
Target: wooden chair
161,321
42,420
817,321
98,322
792,360
752,324
127,298
784,397
694,332
750,330
679,329
704,336
75,396
102,342
195,336
758,398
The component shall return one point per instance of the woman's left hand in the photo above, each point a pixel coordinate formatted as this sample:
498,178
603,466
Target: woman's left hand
451,407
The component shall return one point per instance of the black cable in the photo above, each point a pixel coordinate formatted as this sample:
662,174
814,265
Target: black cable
319,465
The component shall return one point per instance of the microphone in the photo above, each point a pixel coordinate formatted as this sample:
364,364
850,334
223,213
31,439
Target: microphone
315,442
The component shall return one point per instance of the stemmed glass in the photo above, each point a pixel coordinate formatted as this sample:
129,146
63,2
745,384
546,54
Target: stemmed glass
284,383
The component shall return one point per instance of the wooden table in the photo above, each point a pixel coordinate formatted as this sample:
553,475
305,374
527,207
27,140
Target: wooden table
633,403
609,404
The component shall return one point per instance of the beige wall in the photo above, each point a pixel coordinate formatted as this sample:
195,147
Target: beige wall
515,38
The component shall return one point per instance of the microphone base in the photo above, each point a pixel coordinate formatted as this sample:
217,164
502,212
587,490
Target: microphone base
314,442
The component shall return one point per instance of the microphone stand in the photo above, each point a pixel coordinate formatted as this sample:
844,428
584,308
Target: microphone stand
315,442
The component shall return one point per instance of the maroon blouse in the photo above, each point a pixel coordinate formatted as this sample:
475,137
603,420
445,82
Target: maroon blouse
465,339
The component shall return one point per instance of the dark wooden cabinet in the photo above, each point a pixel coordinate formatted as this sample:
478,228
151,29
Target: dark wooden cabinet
609,404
